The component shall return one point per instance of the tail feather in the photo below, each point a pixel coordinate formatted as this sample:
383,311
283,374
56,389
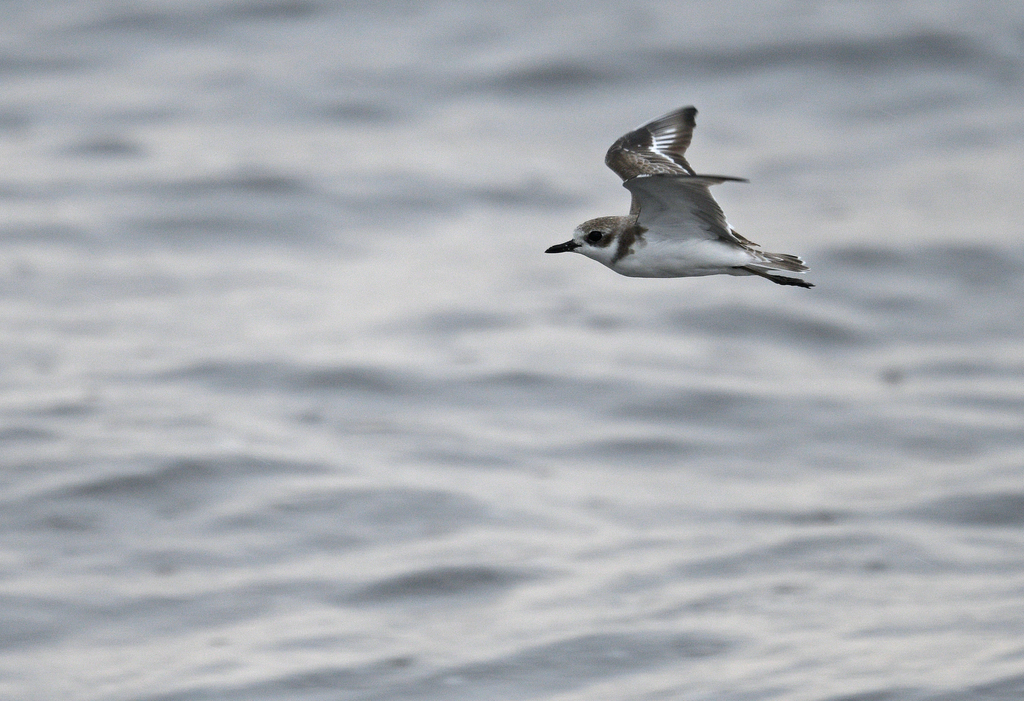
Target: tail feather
785,261
767,264
780,279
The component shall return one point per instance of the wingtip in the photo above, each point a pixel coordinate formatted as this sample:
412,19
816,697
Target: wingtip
685,114
769,274
790,281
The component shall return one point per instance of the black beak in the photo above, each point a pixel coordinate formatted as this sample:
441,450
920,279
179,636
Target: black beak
564,247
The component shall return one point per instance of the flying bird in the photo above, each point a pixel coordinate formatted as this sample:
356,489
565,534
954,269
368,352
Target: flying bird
674,228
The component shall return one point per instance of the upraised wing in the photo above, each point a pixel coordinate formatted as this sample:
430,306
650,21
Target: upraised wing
656,148
681,207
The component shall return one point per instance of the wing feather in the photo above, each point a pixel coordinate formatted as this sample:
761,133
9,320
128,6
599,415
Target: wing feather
681,207
656,148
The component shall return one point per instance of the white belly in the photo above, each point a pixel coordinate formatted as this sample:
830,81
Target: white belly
686,258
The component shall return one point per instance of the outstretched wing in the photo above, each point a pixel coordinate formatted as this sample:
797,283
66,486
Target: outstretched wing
681,207
656,148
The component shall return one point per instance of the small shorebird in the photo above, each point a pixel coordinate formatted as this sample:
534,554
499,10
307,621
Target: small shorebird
674,227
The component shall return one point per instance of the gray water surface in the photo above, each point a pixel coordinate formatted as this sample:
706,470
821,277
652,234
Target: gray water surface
293,405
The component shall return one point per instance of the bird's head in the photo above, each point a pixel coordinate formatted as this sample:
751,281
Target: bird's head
593,239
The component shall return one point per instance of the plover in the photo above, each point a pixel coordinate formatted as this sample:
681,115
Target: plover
674,228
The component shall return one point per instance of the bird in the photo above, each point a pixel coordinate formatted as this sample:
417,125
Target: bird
674,228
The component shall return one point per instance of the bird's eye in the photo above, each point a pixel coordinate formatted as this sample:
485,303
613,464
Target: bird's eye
594,236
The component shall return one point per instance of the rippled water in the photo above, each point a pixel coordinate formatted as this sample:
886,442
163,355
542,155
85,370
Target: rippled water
295,407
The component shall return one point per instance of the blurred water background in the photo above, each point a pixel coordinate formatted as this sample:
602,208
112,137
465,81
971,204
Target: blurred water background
293,405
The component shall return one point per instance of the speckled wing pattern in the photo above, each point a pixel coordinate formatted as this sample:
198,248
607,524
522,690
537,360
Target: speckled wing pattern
656,148
670,198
